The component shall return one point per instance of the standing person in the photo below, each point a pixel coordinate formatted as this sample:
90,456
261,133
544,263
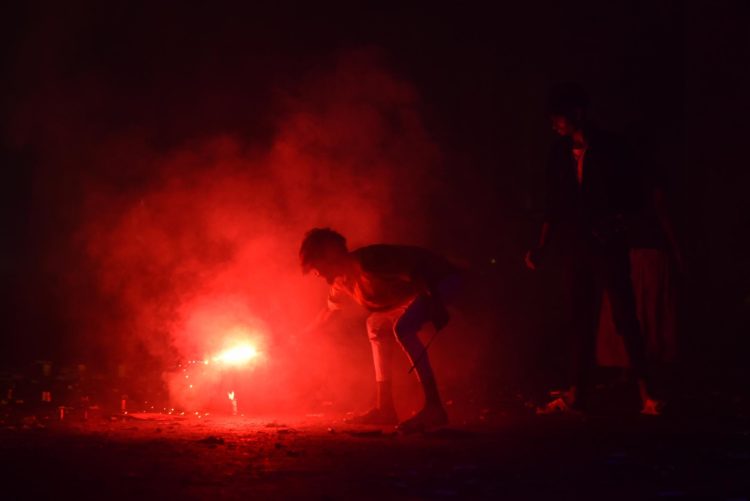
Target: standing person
403,288
590,194
655,255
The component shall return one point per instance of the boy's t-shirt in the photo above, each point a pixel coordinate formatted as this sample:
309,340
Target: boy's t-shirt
389,276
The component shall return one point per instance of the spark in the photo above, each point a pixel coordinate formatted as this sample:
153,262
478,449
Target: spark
234,402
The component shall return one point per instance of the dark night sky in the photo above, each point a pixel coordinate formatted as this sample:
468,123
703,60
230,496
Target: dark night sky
670,74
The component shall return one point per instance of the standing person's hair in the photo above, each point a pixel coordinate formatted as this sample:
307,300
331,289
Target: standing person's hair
568,100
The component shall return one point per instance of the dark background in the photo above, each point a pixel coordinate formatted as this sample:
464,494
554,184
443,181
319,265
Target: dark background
670,75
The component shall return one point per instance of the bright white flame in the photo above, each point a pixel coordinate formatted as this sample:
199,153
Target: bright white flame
237,356
231,395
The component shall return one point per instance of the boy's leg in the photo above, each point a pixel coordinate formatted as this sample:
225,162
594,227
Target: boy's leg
407,330
380,333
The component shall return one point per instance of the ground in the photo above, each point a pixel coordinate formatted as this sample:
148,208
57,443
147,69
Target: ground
161,456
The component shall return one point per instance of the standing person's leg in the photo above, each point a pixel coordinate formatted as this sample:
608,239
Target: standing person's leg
407,328
380,333
586,301
655,301
613,269
580,301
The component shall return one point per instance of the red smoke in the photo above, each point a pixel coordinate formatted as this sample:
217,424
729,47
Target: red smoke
209,244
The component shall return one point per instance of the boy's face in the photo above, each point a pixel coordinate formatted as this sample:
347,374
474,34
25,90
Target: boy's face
330,266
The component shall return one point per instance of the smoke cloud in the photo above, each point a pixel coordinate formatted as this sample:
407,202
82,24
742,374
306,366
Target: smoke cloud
207,243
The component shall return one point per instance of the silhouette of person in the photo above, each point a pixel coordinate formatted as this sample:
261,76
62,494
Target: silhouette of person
655,255
404,289
590,193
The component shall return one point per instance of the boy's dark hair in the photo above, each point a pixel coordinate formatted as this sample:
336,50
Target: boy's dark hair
565,98
316,243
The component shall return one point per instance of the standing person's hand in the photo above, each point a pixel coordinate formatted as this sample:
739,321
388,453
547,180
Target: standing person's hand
533,258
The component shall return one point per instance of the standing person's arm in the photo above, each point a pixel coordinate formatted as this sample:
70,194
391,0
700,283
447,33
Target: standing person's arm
660,206
535,256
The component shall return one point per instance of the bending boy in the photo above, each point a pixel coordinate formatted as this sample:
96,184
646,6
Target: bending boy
403,288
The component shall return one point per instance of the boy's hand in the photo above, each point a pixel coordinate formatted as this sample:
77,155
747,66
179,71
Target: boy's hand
320,321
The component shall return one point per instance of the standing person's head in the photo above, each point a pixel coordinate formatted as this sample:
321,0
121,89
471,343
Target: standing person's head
323,252
566,106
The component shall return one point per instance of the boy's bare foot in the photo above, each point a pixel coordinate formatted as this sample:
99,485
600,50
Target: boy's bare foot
430,416
375,417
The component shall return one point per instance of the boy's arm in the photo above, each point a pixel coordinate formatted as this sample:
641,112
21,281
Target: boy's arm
333,306
321,319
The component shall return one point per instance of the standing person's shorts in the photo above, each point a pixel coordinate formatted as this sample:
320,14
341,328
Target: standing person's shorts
656,307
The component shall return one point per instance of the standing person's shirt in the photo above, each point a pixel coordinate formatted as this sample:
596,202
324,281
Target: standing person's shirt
589,191
389,276
645,230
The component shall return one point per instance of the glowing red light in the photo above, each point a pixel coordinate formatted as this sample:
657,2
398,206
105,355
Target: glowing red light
238,355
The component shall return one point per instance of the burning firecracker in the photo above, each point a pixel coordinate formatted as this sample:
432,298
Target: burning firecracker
236,356
200,382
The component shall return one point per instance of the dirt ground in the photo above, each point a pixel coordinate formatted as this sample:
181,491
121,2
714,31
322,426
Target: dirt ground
158,456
